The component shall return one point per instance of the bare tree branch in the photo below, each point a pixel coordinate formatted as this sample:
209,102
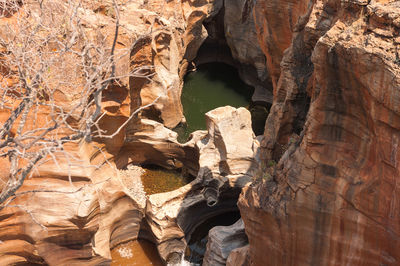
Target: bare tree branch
47,52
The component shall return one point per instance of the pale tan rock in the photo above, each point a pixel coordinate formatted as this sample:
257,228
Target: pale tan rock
173,215
230,146
62,214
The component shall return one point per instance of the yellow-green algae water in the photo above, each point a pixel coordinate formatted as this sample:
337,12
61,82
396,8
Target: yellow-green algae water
212,85
142,252
159,180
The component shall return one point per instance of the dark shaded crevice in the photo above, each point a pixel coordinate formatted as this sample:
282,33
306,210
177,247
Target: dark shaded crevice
302,106
259,114
199,237
152,113
189,218
297,65
214,50
302,72
197,220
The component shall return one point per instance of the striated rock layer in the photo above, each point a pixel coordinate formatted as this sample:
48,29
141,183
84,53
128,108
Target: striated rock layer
333,198
77,206
96,210
328,191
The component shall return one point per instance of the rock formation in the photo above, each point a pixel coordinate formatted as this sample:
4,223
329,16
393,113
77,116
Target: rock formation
327,191
334,198
57,222
239,256
225,167
222,240
241,36
90,206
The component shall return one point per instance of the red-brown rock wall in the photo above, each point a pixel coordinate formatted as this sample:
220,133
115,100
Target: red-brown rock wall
334,196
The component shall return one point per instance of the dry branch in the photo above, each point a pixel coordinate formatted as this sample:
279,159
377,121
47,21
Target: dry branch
47,51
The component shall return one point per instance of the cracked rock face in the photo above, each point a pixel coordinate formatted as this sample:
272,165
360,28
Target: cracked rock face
229,148
334,199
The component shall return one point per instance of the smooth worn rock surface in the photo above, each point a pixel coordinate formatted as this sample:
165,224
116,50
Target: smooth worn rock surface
81,208
173,215
241,37
230,146
64,222
173,34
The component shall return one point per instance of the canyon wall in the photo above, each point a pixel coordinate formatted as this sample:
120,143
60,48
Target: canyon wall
333,196
79,204
328,191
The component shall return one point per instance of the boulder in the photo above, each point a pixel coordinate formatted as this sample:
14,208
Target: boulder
222,240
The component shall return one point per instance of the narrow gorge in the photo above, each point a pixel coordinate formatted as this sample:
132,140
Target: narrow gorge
220,132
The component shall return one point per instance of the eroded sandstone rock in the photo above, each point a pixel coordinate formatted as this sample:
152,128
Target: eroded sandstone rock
334,196
91,210
242,39
229,148
174,215
65,222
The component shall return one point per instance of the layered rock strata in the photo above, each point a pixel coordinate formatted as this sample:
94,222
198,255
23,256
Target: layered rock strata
65,223
327,193
107,207
333,197
92,205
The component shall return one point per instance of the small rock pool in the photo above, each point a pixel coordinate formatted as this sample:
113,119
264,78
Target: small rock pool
212,85
158,180
136,252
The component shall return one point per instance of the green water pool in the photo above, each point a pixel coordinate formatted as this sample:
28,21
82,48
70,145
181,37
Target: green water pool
212,85
158,180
